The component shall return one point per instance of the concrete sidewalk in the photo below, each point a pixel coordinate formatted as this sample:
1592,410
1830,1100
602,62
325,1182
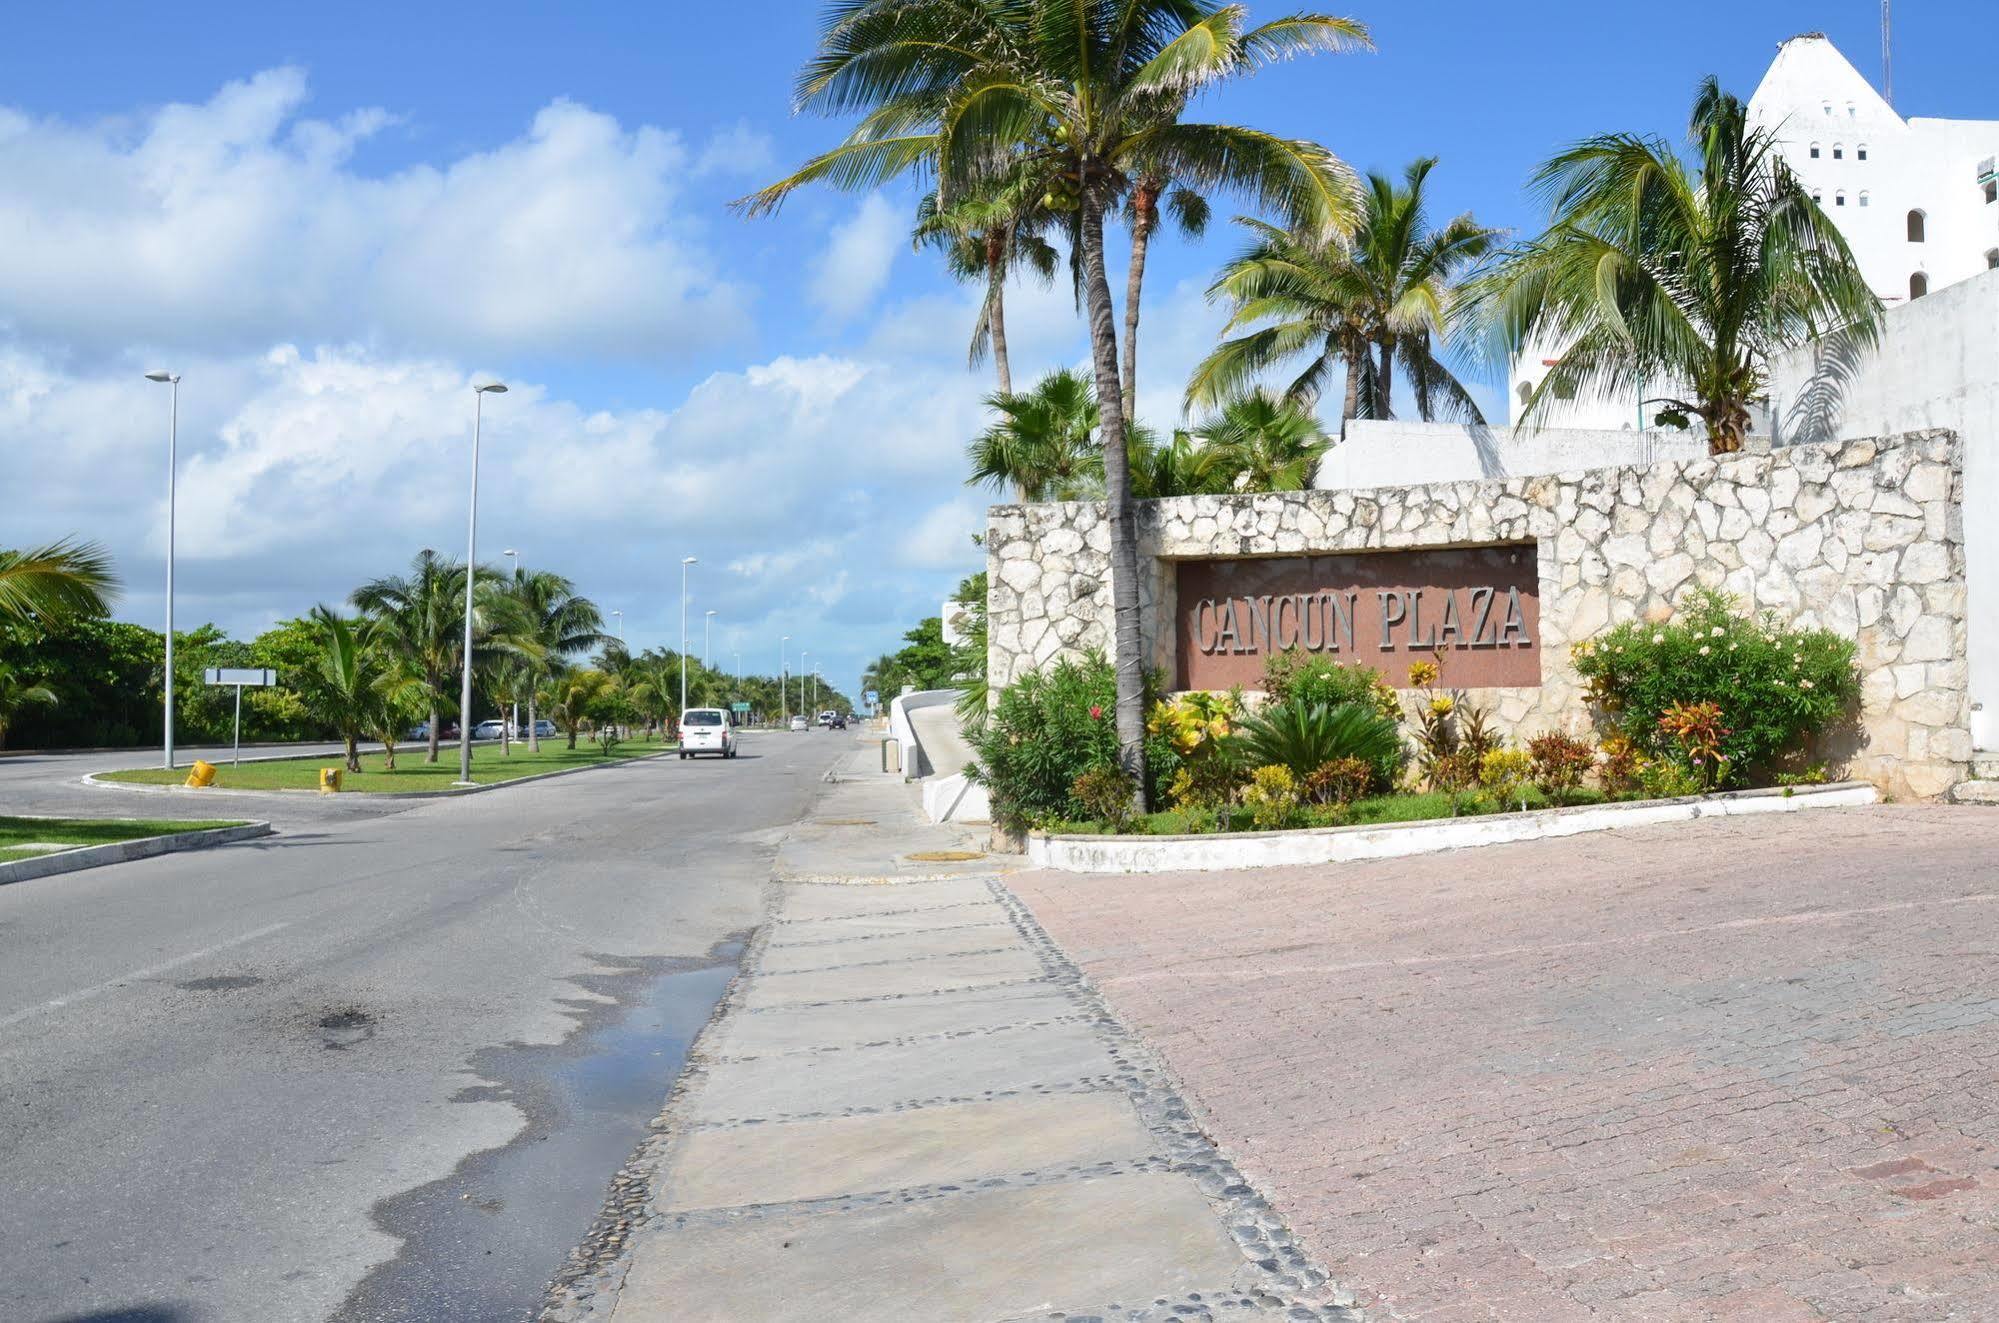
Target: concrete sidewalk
911,1106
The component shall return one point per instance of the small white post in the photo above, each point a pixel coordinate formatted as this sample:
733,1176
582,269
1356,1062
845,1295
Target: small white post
236,754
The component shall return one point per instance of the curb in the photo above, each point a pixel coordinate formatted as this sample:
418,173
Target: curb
90,779
1334,845
119,852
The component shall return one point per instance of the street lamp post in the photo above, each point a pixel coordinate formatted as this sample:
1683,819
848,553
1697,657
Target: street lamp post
479,394
707,636
803,709
515,718
618,625
685,561
173,444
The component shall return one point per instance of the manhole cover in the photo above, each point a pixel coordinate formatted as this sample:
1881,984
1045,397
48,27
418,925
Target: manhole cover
944,856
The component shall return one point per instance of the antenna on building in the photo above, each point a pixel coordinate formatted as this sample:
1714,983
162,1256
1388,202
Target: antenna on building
1887,57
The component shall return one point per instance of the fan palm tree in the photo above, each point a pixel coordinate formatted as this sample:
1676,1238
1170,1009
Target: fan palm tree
16,696
1658,269
419,618
989,240
1082,97
1265,443
1390,295
1044,443
61,580
1182,466
558,624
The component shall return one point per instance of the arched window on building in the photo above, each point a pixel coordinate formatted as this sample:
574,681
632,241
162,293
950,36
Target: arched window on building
1919,285
1863,197
1915,227
1815,151
1839,198
1860,152
1839,151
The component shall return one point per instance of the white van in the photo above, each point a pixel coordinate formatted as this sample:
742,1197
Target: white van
707,730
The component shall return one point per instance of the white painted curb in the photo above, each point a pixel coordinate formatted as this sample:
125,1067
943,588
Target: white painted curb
118,852
1334,845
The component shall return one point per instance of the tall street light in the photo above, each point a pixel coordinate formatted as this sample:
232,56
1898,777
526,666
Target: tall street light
479,394
685,561
515,717
173,438
707,636
618,625
804,710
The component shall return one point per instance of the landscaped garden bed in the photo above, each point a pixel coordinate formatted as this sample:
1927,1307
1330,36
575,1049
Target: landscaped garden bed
1713,701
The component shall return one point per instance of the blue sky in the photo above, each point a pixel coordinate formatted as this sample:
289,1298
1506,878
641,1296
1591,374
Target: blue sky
330,218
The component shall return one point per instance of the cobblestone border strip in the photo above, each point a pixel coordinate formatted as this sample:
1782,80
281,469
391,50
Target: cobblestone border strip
1296,1286
908,1040
902,932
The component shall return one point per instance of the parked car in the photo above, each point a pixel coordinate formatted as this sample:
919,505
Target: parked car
489,730
706,730
449,731
800,723
543,728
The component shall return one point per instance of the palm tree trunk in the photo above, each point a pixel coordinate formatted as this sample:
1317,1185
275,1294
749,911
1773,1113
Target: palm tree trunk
1387,382
1126,631
996,305
534,736
431,757
1350,409
353,753
1144,215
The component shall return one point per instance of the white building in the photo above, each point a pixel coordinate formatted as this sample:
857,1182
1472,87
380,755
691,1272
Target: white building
1917,199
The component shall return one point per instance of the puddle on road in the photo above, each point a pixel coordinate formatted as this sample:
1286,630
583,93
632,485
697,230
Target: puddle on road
482,1243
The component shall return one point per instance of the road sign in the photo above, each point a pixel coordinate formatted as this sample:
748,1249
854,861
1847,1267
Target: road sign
240,675
740,709
253,677
872,697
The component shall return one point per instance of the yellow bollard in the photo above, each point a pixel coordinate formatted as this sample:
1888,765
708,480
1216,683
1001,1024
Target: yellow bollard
199,775
329,780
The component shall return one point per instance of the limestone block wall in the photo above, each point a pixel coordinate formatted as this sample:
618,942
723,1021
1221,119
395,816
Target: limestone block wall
1864,537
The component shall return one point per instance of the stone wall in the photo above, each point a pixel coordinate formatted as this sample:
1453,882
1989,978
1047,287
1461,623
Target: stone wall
1863,537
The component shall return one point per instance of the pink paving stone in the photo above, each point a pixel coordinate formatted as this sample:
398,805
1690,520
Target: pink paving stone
1679,1072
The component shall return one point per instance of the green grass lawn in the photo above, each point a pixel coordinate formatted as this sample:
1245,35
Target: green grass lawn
14,832
412,772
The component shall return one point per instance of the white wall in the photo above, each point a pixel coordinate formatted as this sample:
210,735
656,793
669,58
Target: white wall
1392,453
1937,366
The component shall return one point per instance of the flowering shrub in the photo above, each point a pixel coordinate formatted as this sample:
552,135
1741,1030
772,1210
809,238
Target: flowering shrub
1046,730
1296,676
1774,687
1196,729
1697,729
1271,797
1559,764
1104,793
1453,734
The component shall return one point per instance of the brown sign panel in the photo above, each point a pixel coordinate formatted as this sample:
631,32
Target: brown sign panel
1479,607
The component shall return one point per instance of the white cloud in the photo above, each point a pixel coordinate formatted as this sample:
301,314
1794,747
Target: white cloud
941,538
859,254
737,151
236,223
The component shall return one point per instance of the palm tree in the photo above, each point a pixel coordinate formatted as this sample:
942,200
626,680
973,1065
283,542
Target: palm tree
559,624
1391,294
61,580
1266,443
989,240
420,619
343,691
15,696
574,694
1190,213
1654,269
1180,467
1082,97
1044,443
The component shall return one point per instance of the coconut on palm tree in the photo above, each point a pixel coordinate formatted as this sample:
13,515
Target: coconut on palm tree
1083,97
62,580
1387,299
1660,269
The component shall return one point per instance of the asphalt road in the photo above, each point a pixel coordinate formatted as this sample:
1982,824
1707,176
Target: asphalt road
381,1065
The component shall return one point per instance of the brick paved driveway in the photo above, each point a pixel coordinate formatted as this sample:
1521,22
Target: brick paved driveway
1741,1069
